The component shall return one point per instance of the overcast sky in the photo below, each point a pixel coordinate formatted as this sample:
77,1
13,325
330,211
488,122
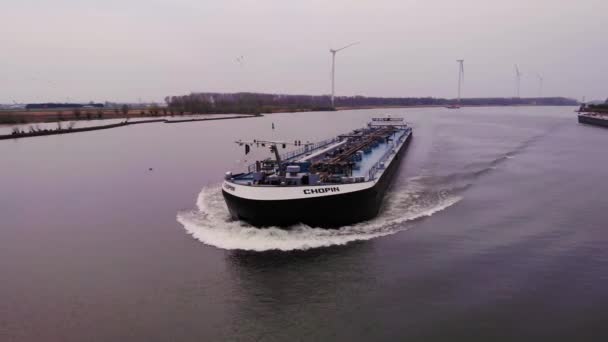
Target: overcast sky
125,50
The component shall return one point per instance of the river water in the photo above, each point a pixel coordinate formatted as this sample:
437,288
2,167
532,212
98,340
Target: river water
495,228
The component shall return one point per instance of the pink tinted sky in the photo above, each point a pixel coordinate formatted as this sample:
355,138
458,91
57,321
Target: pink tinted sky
113,50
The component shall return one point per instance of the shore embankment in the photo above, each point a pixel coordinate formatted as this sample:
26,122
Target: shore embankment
35,132
17,117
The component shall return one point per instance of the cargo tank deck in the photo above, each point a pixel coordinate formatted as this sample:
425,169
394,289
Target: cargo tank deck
370,158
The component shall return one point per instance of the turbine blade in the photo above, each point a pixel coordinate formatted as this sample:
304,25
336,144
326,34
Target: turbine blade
347,46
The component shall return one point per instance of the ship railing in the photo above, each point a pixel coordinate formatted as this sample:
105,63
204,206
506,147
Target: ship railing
376,167
307,148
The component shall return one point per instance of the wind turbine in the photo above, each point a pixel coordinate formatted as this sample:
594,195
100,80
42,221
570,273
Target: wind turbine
460,77
333,68
517,79
540,85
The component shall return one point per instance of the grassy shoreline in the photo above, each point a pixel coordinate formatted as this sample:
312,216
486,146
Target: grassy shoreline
37,132
49,116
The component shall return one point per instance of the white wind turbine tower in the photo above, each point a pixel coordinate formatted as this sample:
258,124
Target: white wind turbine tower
517,79
333,68
460,77
540,85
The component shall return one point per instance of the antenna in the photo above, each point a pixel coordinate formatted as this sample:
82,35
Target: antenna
333,68
517,80
460,76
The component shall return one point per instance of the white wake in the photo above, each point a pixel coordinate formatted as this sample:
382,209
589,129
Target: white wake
211,223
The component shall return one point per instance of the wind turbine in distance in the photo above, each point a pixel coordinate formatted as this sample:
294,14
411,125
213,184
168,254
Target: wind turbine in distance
333,68
460,77
460,81
540,85
517,79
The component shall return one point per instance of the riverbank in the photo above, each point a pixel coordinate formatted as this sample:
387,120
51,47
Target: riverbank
48,116
19,117
36,132
445,106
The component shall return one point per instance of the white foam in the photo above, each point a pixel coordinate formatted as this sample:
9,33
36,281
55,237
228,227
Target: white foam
211,223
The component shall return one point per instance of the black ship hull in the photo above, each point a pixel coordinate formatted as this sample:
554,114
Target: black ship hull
331,211
585,119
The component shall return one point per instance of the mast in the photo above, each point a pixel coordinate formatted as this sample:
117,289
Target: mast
333,75
460,76
277,156
459,86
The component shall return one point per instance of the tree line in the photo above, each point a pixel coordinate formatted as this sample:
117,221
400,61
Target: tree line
255,103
